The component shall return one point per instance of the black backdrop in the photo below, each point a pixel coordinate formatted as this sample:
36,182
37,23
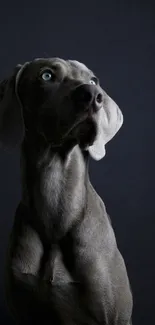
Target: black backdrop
117,41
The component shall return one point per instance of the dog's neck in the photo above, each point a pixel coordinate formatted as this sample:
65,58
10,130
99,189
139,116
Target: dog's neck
54,181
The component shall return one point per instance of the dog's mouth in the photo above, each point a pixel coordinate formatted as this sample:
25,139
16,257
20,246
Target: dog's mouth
82,130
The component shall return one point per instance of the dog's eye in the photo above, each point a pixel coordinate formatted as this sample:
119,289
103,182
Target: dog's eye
93,81
47,75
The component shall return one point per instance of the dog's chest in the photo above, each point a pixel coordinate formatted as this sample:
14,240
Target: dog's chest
48,189
59,193
51,184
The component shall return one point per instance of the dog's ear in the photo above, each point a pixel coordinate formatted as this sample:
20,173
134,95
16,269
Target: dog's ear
11,118
108,120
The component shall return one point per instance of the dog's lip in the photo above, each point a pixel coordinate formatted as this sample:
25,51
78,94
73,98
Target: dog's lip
83,119
88,113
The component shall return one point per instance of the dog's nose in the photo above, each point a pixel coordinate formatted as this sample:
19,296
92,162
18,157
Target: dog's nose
88,96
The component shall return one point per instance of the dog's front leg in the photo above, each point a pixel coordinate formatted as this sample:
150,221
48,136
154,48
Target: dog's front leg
99,267
105,290
27,293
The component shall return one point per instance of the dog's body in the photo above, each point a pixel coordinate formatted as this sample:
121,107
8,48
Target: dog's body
63,263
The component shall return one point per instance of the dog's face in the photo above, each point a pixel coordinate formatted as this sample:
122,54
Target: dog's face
60,100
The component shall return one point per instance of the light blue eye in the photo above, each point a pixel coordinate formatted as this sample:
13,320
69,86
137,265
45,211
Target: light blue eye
47,76
93,81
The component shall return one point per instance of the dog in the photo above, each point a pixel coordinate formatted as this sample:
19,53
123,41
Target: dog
63,265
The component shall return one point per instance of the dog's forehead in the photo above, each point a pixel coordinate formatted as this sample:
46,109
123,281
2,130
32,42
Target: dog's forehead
79,68
72,68
48,62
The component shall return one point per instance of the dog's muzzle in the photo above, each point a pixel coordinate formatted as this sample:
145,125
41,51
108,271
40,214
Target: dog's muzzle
88,97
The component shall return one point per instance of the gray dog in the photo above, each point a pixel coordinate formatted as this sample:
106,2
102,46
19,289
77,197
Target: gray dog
63,264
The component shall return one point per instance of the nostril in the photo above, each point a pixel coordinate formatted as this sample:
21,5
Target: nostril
88,96
99,98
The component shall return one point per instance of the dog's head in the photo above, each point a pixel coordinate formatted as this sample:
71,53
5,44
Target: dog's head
59,100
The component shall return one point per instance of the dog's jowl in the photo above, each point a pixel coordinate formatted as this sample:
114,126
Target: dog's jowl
63,263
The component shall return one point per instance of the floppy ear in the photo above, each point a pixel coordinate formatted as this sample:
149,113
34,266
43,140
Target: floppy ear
11,118
109,120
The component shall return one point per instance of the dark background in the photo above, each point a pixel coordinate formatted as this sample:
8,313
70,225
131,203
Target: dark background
117,41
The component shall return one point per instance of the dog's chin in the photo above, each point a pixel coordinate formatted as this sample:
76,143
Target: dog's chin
83,132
